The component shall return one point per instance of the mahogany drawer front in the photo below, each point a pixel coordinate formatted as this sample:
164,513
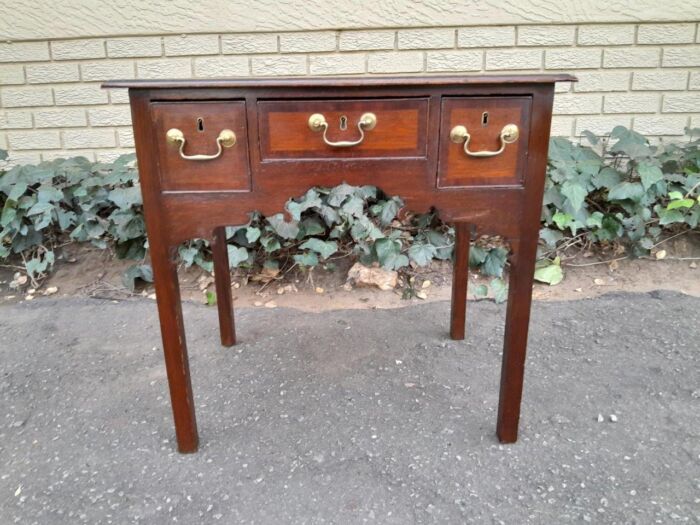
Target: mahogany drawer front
485,120
400,130
200,124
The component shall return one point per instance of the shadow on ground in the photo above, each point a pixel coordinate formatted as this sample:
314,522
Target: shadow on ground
351,416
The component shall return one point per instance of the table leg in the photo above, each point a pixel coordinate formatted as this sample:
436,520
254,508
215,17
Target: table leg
460,279
222,281
515,339
174,346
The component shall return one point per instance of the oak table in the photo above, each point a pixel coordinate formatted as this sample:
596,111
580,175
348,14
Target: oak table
473,148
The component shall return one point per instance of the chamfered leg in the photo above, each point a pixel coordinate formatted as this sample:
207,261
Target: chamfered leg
460,279
515,339
222,280
174,345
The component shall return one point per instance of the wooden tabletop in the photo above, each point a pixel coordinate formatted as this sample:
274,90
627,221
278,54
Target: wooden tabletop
416,80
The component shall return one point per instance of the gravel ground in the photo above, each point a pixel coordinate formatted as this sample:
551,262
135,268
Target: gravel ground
352,416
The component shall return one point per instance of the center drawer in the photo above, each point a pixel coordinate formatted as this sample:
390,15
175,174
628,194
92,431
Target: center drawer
348,128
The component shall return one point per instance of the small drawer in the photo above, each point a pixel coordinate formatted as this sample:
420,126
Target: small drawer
483,141
340,129
202,146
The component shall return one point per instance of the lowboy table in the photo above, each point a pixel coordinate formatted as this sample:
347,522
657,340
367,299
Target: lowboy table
209,152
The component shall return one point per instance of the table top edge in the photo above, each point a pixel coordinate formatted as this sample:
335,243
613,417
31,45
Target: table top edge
349,81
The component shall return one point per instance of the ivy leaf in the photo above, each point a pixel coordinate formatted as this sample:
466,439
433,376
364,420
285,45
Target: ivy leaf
210,298
595,220
550,272
551,237
306,259
286,230
575,193
125,198
338,194
389,211
629,142
607,178
312,226
495,261
310,200
187,254
354,206
252,234
562,220
17,191
500,290
649,174
626,190
477,256
236,255
422,253
49,194
324,248
136,272
389,254
481,291
270,244
681,203
670,217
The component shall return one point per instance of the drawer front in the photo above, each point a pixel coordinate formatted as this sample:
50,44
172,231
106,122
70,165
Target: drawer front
343,129
493,155
203,126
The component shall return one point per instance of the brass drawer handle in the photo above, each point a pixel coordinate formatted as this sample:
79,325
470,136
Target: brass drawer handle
226,139
368,121
509,134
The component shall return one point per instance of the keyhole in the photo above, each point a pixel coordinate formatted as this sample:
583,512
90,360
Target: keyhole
343,122
485,118
200,124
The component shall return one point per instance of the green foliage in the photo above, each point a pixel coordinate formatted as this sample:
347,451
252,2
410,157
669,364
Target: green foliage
621,190
618,190
73,198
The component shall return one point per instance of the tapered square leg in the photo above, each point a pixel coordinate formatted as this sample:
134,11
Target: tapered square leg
174,346
515,339
460,280
222,282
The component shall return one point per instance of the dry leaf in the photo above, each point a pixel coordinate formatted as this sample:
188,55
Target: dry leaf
598,281
271,304
375,276
266,275
661,254
421,295
426,284
319,289
51,290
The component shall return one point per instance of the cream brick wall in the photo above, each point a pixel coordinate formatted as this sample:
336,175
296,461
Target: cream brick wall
642,75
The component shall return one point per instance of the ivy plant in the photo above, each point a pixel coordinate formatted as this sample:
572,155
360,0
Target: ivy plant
619,190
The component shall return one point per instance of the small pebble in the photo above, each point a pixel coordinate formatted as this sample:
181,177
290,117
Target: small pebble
600,418
613,418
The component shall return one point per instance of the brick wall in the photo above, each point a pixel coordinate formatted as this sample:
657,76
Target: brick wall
645,76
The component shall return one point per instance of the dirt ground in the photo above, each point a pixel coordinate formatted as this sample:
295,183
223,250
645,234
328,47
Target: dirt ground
98,273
